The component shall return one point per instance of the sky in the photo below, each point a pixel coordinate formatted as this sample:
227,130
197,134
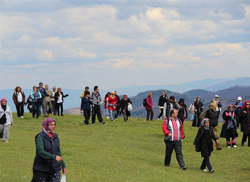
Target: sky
119,43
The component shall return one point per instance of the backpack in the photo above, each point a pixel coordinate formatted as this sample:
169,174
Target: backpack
202,115
144,103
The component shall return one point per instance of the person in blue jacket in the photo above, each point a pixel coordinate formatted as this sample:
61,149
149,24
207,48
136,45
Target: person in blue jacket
85,107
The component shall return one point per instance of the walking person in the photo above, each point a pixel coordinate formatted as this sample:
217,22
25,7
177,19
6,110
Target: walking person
36,102
238,106
192,110
106,103
83,92
59,100
162,100
244,117
48,100
172,127
203,143
6,120
29,104
182,113
219,105
117,105
198,110
85,107
170,105
96,99
112,104
212,115
48,161
125,101
149,107
43,102
19,101
52,99
229,127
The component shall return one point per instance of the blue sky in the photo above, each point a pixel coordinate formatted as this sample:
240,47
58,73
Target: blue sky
114,44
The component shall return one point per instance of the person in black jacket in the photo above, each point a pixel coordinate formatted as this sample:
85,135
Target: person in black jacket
170,105
48,161
85,106
212,115
229,127
118,105
198,110
203,143
182,113
59,100
244,117
162,99
125,101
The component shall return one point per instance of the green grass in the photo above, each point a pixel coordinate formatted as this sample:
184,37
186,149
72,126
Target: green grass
117,151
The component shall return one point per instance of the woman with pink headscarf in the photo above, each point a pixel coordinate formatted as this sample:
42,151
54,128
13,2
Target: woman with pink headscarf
244,117
5,120
229,127
48,161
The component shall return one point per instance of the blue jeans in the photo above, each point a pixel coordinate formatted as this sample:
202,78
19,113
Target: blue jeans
191,116
111,114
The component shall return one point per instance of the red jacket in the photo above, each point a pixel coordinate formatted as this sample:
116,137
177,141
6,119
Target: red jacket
166,131
112,103
149,102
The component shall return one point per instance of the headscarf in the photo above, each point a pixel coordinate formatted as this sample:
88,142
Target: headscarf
46,128
3,99
244,104
229,105
203,123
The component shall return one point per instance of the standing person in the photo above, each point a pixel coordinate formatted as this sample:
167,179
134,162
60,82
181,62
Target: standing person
162,100
117,105
174,134
19,100
149,107
244,117
203,143
212,115
52,99
106,103
182,113
198,110
5,120
96,98
48,161
238,106
36,102
112,104
170,105
85,107
43,102
48,100
219,105
125,101
29,102
83,92
229,128
192,110
59,100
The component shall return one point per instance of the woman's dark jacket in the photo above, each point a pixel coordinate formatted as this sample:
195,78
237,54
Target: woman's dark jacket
85,104
223,133
244,120
51,146
162,101
212,115
57,95
124,105
197,141
198,106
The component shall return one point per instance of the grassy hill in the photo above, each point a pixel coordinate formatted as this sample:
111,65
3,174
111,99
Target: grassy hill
117,151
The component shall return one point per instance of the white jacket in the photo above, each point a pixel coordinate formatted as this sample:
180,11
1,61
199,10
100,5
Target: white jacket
8,114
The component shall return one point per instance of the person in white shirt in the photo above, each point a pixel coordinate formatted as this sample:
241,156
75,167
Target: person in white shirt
19,100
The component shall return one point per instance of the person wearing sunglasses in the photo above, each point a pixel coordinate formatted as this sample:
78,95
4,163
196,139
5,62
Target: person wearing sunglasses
245,122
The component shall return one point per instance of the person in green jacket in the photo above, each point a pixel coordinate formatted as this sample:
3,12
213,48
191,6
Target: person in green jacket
48,160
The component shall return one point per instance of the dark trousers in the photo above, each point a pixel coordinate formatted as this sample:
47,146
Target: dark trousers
231,133
35,109
205,163
244,138
19,109
177,146
151,113
86,114
161,113
96,111
53,103
40,176
59,105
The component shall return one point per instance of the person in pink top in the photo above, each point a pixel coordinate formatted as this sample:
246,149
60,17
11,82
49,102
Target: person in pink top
112,104
149,106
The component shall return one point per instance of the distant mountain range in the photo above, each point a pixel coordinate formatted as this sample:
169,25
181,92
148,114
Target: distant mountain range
204,88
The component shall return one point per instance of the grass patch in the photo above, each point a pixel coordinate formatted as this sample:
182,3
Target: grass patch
117,151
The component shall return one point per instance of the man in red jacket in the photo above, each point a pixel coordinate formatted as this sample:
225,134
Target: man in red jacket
172,127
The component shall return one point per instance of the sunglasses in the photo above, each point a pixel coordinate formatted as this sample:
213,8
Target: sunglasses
247,104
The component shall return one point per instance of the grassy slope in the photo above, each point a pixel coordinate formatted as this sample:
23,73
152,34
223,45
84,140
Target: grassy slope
117,151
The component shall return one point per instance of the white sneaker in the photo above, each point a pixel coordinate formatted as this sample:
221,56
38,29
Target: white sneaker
107,117
235,146
228,147
21,116
158,118
204,170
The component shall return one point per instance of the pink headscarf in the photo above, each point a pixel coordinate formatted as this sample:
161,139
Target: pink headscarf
3,99
229,105
45,126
